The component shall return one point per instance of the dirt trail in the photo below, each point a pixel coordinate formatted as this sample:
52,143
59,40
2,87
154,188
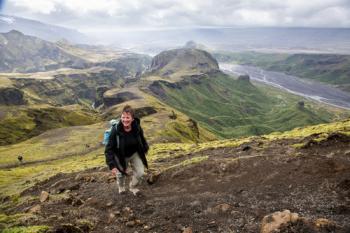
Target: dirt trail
231,191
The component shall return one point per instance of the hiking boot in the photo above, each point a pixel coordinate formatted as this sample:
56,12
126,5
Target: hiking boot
121,190
135,191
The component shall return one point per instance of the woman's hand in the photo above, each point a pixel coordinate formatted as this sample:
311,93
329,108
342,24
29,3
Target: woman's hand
114,171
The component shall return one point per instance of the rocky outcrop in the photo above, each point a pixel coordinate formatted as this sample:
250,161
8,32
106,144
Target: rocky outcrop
119,98
145,111
172,61
286,221
11,96
71,87
273,222
99,95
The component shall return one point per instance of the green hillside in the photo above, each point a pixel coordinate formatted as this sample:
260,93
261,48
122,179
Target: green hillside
328,68
20,123
233,108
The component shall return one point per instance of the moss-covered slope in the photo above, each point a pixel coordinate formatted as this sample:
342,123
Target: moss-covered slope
20,123
232,108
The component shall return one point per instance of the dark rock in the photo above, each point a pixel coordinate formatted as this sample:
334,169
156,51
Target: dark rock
119,98
11,96
77,202
192,124
4,199
73,186
20,158
152,178
244,78
173,115
67,228
301,104
144,111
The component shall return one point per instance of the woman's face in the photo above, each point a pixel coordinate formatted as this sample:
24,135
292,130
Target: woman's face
126,119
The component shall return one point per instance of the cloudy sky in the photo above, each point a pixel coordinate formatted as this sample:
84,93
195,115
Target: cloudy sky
91,15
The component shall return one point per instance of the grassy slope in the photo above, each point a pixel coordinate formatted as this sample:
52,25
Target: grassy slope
161,126
14,180
57,143
59,150
20,123
232,108
327,68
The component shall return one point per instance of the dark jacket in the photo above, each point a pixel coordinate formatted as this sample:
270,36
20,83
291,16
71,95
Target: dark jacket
114,151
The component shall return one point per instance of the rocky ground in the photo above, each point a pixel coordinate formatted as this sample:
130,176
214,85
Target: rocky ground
231,191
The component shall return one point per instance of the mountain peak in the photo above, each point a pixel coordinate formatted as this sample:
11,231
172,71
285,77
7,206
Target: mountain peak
191,44
15,32
183,60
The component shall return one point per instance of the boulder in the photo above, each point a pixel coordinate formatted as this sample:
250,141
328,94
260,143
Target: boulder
187,230
44,196
323,223
274,221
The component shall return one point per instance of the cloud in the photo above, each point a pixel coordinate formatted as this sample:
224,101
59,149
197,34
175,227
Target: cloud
116,14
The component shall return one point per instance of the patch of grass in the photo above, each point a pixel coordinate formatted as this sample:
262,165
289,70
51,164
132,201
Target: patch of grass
321,137
298,145
31,229
322,129
166,150
178,131
54,144
5,82
10,224
10,219
22,123
15,180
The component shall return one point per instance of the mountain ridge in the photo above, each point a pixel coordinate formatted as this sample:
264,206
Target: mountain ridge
39,29
24,53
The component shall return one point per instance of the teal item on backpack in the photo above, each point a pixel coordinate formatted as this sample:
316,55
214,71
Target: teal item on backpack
107,133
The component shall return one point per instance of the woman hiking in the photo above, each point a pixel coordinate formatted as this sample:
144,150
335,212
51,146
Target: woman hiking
127,145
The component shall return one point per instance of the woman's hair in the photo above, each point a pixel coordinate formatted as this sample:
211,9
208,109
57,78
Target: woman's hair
129,109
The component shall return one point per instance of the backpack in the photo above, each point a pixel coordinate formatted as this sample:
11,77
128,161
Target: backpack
106,134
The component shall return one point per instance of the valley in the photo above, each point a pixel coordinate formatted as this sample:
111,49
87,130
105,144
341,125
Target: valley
225,150
312,90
